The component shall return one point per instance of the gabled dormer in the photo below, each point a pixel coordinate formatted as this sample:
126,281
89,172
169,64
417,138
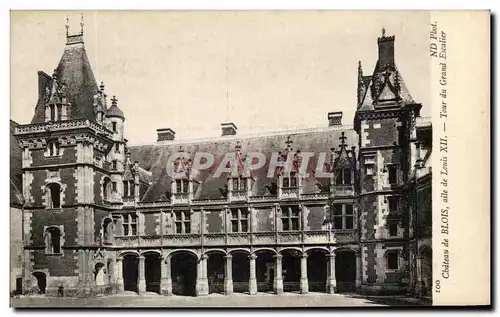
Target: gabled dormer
288,176
240,180
343,168
56,103
182,178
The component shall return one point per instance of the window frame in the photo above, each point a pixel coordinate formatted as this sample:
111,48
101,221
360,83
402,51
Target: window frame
182,225
287,216
114,126
242,216
340,176
53,148
240,182
343,216
183,184
390,232
395,169
49,248
130,224
388,263
290,181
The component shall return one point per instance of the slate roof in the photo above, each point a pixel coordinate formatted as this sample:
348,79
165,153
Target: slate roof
154,158
75,71
16,174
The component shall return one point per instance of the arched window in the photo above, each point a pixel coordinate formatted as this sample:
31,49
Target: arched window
107,231
106,189
53,193
52,240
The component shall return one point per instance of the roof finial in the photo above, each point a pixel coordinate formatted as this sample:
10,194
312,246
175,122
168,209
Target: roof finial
238,146
101,87
67,25
114,101
288,143
81,25
383,32
342,140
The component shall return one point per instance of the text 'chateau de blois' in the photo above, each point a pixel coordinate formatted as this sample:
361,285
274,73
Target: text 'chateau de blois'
91,215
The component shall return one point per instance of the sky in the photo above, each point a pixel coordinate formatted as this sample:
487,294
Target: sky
191,71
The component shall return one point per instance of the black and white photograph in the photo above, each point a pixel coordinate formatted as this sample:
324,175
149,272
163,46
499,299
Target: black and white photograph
221,159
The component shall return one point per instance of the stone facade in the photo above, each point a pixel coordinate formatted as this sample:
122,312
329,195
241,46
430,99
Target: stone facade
103,217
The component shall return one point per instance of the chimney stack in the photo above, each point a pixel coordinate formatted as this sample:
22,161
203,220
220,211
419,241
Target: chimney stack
165,134
228,128
385,50
334,118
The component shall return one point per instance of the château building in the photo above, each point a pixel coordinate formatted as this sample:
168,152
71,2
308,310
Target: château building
101,217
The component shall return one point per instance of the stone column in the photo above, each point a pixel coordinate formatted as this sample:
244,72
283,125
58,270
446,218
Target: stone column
359,269
119,275
304,283
419,283
228,278
331,283
278,274
142,277
166,276
253,280
201,277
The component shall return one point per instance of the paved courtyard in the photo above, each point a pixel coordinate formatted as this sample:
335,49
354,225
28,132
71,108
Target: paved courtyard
215,300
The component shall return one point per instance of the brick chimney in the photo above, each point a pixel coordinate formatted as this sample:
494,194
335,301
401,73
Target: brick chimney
385,50
334,118
165,134
228,128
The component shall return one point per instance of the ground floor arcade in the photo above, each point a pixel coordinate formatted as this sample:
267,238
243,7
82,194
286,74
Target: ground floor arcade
186,272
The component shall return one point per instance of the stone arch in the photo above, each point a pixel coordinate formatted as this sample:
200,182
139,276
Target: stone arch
107,230
173,252
256,250
147,252
128,252
130,270
239,250
41,282
100,274
288,249
54,239
106,188
345,269
208,252
53,194
310,249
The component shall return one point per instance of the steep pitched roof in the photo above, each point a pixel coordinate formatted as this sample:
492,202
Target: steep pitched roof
16,173
75,71
156,157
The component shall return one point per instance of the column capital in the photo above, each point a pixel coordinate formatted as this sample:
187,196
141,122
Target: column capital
119,259
252,256
304,255
278,256
204,256
331,255
228,256
141,257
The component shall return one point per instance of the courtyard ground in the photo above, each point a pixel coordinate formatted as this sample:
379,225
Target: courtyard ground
215,300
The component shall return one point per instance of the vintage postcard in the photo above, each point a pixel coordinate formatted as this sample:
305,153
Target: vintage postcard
249,158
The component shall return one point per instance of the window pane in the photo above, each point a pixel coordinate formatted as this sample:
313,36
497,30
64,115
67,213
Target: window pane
187,227
243,214
133,218
235,184
392,260
187,215
337,223
393,229
234,225
244,225
178,227
338,177
234,214
349,222
185,186
243,184
178,215
286,182
134,229
285,223
179,186
337,209
347,176
295,211
295,224
393,204
348,209
125,230
393,174
293,181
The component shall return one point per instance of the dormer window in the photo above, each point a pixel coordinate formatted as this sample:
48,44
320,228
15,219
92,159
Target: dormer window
182,186
343,176
239,183
53,148
290,181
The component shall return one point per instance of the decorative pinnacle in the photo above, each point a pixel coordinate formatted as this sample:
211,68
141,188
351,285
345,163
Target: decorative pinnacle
238,146
181,148
54,74
67,26
114,101
81,25
342,139
288,143
383,32
101,87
